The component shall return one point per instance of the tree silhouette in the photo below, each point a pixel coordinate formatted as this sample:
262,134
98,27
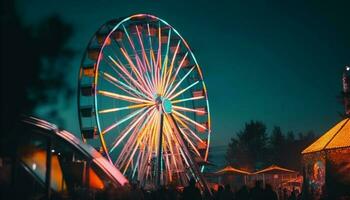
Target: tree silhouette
33,64
252,148
277,146
249,149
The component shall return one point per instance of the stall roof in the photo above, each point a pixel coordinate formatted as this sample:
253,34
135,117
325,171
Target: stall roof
337,137
275,169
231,170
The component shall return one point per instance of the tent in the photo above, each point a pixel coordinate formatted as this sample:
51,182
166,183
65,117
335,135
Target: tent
231,170
274,169
326,163
230,175
274,175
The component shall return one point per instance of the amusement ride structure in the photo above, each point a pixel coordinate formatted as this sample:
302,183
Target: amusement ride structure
143,103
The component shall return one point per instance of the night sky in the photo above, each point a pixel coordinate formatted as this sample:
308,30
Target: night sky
273,61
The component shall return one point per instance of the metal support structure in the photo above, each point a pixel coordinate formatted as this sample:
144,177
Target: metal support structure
192,163
159,153
48,169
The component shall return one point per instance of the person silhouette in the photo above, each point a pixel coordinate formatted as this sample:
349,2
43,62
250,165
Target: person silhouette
257,192
227,193
269,194
191,192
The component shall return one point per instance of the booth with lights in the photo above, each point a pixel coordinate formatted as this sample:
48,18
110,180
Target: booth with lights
326,164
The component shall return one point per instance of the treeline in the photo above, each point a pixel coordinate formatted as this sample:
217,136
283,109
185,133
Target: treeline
254,148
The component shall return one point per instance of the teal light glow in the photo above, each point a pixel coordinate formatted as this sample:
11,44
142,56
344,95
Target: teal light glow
167,105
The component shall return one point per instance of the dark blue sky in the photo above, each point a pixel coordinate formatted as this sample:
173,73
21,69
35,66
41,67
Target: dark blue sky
273,61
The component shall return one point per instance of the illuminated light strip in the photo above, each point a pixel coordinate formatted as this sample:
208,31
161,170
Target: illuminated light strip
189,141
187,153
123,97
133,47
171,67
131,115
187,99
169,131
142,47
181,80
136,56
124,108
135,140
189,109
176,73
129,129
111,78
148,151
189,129
188,119
165,63
143,164
123,77
134,68
150,56
154,67
159,57
121,157
162,76
129,76
169,137
136,165
146,76
120,87
183,90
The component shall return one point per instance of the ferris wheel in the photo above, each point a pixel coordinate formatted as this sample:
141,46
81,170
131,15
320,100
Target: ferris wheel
142,101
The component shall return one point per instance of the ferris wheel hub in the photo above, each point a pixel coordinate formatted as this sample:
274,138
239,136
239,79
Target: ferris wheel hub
167,105
164,104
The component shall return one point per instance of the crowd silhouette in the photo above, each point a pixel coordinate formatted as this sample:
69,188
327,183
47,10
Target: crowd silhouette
191,192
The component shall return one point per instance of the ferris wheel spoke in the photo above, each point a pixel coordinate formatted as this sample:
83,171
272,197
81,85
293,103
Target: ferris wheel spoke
133,135
123,86
144,55
189,109
135,70
185,151
123,97
137,57
155,71
117,123
183,90
188,140
187,99
132,144
189,120
186,125
170,144
171,67
135,87
165,63
181,80
133,48
159,58
125,71
124,108
173,78
151,60
129,128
